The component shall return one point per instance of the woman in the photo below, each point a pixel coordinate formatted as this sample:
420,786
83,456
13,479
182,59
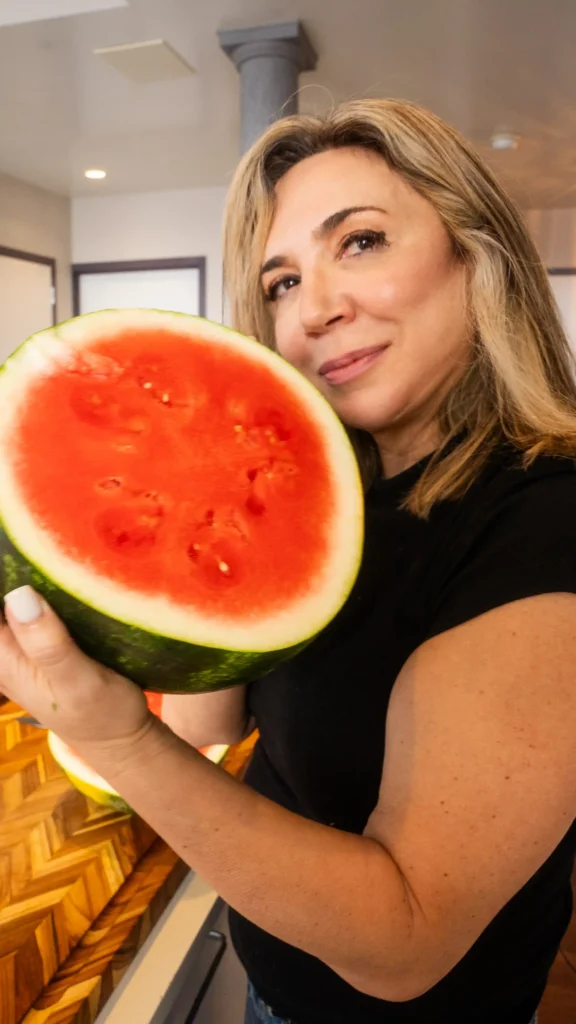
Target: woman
403,851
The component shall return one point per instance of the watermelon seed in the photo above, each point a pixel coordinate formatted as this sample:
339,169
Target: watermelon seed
111,483
147,385
224,568
254,505
125,532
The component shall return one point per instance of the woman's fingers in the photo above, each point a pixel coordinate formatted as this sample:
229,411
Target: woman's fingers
43,670
14,666
41,635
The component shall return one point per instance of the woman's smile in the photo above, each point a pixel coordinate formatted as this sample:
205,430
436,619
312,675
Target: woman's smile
351,365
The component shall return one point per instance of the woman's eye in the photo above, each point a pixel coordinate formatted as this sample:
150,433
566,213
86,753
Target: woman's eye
363,241
278,288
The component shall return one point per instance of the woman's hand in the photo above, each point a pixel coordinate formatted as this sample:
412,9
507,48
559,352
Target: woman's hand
43,671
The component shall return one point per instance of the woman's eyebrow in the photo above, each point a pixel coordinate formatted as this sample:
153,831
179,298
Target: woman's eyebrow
322,231
273,264
335,220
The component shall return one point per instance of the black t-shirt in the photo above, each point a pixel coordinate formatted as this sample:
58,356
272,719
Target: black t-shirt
322,725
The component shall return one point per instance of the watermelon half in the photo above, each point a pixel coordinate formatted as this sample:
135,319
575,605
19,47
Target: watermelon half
186,501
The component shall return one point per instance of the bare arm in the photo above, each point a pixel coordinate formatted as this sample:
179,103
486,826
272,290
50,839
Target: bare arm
205,718
478,788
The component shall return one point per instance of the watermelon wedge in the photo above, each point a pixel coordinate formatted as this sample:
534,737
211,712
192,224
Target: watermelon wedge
93,785
185,500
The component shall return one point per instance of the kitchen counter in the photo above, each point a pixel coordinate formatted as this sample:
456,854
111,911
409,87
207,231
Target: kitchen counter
87,897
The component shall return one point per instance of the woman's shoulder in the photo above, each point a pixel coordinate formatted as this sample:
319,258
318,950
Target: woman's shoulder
512,536
544,487
509,506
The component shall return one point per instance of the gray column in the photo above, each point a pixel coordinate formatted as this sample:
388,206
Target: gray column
269,59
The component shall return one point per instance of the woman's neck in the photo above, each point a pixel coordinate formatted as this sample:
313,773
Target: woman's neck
401,449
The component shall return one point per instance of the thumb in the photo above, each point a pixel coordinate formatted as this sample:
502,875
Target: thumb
40,634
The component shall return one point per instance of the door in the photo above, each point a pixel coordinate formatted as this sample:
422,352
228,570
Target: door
27,297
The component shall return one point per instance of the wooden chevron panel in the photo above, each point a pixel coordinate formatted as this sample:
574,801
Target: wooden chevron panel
80,887
82,985
62,859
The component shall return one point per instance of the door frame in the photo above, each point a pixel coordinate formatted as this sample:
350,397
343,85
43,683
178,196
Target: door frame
32,257
119,266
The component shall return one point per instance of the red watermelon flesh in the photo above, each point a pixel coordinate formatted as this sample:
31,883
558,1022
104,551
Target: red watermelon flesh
154,702
180,464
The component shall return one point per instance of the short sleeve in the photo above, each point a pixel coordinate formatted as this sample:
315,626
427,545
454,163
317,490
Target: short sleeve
524,546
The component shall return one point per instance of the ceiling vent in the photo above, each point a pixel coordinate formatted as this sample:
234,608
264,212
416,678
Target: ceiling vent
153,61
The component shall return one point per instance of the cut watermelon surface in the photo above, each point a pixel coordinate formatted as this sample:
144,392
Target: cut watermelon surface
186,501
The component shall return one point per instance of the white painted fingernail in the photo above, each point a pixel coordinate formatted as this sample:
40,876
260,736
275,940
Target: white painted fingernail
24,605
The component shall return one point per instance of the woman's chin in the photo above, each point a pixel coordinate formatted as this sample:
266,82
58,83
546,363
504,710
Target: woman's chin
357,413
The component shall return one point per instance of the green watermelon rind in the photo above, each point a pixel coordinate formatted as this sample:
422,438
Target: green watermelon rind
151,660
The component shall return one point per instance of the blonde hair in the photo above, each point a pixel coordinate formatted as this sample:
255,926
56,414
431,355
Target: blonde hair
519,386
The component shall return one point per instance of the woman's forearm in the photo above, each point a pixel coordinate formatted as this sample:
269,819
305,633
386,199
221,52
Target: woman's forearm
336,895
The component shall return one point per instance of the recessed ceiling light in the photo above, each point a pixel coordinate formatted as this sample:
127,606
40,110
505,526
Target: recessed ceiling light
504,140
94,174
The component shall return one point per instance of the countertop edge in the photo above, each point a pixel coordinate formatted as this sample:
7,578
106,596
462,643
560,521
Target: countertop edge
147,982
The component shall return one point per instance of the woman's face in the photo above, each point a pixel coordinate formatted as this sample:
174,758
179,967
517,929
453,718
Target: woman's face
368,299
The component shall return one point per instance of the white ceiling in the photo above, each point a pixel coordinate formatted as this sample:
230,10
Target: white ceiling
14,12
483,64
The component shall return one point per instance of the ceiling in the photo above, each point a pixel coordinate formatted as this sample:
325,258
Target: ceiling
484,65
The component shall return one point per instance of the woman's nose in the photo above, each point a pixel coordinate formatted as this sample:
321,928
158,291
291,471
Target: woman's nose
322,302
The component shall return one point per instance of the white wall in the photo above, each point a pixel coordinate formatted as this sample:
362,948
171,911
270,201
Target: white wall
38,221
554,232
153,225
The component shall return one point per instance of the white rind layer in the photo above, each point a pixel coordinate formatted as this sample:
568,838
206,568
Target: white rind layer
70,762
43,354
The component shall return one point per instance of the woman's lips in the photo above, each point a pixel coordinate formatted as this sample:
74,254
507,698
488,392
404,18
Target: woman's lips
337,371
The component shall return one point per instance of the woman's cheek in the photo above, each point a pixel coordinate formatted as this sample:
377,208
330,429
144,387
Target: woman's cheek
387,295
291,347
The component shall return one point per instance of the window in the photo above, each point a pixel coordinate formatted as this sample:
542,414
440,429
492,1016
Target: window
176,284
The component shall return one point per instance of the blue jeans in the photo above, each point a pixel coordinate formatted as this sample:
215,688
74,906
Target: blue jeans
258,1013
